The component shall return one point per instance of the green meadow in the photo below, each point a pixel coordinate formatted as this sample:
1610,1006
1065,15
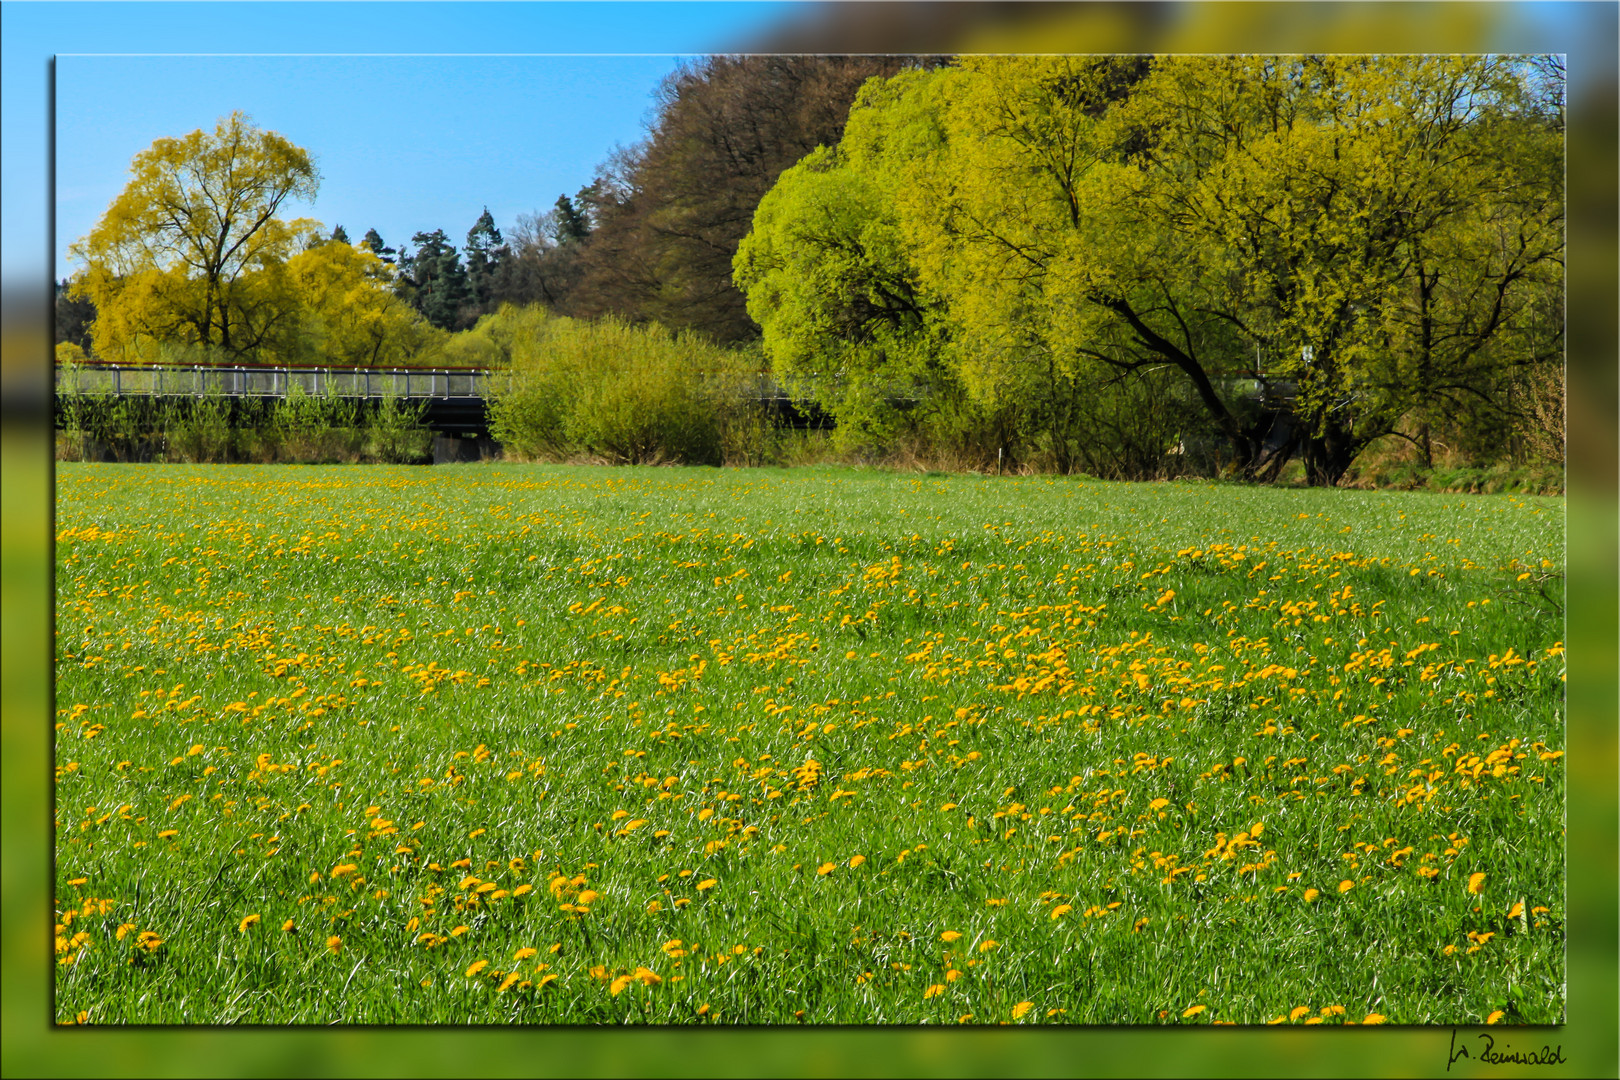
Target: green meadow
506,744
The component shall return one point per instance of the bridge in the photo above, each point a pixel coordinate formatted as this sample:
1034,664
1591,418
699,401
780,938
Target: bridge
453,400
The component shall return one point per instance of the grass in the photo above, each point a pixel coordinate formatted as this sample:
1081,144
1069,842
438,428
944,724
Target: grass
550,744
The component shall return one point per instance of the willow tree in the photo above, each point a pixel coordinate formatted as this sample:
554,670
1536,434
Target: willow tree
190,250
1376,238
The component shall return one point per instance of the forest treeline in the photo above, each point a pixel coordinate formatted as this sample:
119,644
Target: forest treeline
1124,266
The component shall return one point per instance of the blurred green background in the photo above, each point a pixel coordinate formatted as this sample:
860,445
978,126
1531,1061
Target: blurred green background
1587,32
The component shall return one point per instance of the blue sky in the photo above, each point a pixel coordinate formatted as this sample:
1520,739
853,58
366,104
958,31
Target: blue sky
413,140
405,142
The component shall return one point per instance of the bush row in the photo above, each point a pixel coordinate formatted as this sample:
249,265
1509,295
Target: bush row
301,428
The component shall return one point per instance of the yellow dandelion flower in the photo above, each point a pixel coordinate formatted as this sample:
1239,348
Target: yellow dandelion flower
1476,883
545,981
334,943
951,935
243,926
78,881
1062,910
475,967
343,868
1346,885
1021,1008
587,897
168,834
289,927
1193,1010
524,953
934,991
1373,1018
856,860
1516,911
506,983
618,985
1311,895
646,976
1299,1011
986,946
706,884
1495,1016
826,868
522,889
123,930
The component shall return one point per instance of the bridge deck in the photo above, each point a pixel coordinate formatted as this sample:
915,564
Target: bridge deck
194,381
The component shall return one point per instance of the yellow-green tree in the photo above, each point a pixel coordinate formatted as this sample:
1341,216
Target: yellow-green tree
1378,238
192,250
350,315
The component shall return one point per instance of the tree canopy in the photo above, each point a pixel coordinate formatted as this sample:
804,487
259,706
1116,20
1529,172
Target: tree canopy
184,250
1375,240
193,254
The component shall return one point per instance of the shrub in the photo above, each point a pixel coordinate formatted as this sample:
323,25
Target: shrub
628,394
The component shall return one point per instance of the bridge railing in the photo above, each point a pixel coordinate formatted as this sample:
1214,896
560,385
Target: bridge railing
172,380
177,381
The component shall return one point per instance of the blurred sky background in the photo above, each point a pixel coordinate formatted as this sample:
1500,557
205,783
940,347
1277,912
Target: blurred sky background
408,143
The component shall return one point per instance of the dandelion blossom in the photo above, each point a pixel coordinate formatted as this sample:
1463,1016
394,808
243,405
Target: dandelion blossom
334,943
1476,883
934,991
1495,1016
1193,1011
706,883
951,935
1021,1008
475,967
247,923
1311,895
1346,885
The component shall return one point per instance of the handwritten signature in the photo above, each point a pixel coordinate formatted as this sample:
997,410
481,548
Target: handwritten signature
1490,1055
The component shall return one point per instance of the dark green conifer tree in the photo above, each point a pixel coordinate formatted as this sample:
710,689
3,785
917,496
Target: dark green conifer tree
486,250
374,242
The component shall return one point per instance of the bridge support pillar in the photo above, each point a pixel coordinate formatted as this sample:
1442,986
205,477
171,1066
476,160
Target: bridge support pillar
448,449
